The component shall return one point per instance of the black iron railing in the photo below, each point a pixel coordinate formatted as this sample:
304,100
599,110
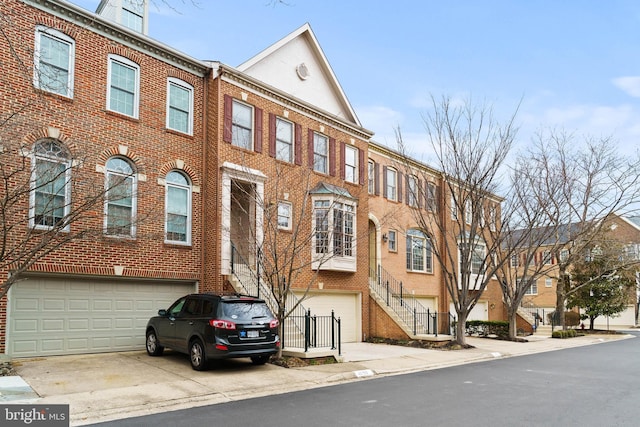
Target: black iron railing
319,332
417,317
300,329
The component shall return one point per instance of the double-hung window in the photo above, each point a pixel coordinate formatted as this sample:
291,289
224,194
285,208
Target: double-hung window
393,241
120,200
284,215
419,252
351,164
320,153
371,177
132,12
412,191
123,86
533,289
50,192
284,140
54,62
242,130
178,208
392,184
343,231
179,106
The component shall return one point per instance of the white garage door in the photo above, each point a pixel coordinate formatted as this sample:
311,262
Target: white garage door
479,312
58,316
346,306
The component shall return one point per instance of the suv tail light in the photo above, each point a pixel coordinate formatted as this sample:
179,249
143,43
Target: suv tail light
274,324
222,324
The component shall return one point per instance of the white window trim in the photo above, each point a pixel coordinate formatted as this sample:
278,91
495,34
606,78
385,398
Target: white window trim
189,189
290,143
412,191
392,243
395,184
426,239
250,146
316,136
354,166
186,86
289,225
329,261
475,280
32,192
41,29
136,96
371,179
134,202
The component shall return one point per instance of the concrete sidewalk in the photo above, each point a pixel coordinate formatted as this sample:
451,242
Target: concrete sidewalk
101,387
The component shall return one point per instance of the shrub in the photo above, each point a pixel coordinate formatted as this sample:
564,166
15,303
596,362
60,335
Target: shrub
569,333
571,318
484,328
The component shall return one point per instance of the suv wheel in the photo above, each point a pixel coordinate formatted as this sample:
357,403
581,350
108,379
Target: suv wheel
197,356
153,348
260,360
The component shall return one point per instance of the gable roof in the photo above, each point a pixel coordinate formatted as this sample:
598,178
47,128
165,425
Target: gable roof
297,65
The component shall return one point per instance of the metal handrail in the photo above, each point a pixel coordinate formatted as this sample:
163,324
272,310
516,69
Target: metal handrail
294,328
419,319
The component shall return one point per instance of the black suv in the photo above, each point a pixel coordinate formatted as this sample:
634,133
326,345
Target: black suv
208,326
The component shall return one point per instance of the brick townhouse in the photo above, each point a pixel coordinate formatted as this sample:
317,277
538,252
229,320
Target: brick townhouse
204,169
120,111
541,297
401,191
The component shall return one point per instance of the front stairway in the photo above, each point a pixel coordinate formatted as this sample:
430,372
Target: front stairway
415,320
299,339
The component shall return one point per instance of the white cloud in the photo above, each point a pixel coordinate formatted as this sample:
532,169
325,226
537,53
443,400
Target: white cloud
629,84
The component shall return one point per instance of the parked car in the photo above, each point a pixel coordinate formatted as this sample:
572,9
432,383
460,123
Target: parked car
210,326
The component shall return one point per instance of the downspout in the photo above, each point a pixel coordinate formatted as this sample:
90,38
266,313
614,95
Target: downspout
203,187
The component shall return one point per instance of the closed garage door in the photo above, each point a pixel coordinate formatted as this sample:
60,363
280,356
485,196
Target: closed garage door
346,306
58,316
479,312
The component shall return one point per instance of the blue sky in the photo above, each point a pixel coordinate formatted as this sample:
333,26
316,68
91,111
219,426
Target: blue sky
572,64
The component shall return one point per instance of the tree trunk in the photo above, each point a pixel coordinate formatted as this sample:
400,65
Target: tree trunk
561,297
461,329
513,323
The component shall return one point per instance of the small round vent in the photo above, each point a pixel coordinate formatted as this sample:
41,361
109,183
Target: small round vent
302,71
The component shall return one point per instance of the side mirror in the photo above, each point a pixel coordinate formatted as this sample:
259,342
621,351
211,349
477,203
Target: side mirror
162,312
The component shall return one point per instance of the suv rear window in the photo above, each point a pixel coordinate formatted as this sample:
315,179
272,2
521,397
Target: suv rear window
246,310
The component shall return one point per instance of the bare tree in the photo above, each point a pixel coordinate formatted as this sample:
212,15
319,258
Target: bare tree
586,180
305,224
470,147
48,198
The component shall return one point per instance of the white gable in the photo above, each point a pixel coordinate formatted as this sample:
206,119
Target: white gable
297,65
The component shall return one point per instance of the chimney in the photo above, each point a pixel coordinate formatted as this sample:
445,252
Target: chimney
133,14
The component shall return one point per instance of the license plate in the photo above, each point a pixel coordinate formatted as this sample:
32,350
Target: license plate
253,334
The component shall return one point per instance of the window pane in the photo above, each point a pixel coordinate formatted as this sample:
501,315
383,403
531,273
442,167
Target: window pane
284,215
120,197
320,147
179,108
242,129
123,87
53,69
284,140
351,164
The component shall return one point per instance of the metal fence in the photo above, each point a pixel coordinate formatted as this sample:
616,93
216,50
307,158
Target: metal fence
319,332
300,329
417,317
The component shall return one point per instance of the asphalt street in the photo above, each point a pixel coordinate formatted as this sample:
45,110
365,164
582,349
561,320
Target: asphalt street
581,386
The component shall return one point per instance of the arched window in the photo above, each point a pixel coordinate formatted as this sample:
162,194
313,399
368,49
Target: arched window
120,205
178,208
50,189
419,252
